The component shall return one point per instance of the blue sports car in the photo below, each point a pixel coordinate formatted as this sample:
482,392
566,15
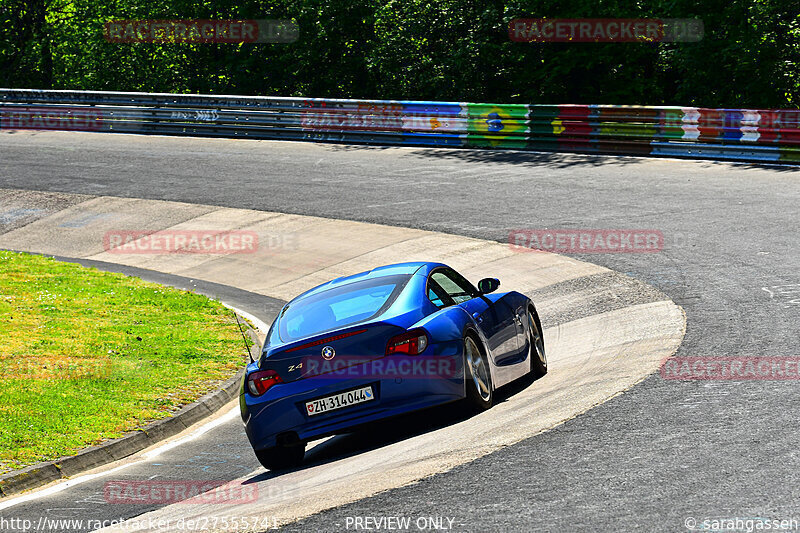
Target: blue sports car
382,343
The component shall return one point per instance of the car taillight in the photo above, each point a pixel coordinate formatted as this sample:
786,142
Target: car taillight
260,382
411,342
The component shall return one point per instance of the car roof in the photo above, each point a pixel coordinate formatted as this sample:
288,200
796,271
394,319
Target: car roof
420,267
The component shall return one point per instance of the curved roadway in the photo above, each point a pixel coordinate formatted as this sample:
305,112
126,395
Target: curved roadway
605,332
661,453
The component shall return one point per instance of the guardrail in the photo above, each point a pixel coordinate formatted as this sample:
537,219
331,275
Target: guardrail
732,134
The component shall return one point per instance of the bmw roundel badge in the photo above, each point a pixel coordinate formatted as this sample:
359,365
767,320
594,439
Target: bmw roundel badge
328,353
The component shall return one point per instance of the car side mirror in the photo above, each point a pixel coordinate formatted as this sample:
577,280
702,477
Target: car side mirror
487,285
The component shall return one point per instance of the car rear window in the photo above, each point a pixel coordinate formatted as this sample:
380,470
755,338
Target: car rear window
339,307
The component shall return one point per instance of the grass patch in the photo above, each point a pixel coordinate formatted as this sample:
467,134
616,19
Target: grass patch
86,355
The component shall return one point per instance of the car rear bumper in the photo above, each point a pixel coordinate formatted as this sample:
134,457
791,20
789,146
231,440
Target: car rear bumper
281,412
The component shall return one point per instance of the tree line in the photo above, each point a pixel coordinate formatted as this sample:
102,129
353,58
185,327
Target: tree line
457,50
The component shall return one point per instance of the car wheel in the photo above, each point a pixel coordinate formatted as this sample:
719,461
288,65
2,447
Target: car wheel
281,457
536,346
477,376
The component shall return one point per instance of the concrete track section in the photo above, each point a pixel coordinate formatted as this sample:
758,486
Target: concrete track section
604,333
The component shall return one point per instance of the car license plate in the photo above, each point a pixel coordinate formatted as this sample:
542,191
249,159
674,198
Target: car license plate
338,401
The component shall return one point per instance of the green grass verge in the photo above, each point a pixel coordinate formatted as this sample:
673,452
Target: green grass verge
87,355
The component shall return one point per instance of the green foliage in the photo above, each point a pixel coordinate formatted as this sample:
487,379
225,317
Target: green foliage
414,49
89,355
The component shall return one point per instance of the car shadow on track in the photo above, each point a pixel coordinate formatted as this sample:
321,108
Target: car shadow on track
396,429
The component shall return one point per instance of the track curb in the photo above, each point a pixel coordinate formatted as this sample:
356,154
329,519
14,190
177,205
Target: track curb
34,476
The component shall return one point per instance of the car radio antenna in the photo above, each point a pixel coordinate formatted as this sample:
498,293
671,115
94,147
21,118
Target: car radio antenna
246,347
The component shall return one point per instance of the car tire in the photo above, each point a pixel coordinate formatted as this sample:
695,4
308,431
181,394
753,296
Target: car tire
477,375
281,457
536,352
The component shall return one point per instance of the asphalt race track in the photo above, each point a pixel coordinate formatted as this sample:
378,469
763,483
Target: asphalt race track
653,458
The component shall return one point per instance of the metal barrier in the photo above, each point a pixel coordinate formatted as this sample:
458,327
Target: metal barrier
731,134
